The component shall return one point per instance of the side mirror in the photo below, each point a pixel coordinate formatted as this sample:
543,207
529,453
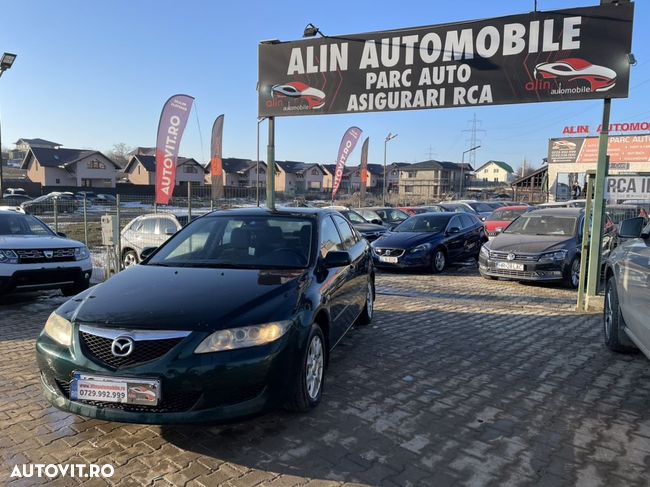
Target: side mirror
453,230
631,228
376,221
61,234
337,259
170,231
146,252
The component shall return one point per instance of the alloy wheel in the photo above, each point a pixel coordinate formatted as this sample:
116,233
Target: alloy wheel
129,260
314,365
370,302
609,314
439,260
575,272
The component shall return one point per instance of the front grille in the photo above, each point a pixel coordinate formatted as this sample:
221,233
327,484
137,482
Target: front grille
496,254
511,273
98,349
390,252
29,256
169,402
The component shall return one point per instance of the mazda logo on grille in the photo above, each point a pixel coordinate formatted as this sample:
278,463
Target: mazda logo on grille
122,346
48,253
511,256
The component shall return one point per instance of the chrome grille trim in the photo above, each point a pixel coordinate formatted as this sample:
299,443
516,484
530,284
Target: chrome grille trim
389,252
136,335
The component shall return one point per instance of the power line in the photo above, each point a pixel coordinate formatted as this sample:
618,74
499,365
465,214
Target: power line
474,140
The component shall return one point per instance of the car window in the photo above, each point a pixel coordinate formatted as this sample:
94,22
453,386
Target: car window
455,222
236,241
148,225
136,225
531,224
346,231
466,221
329,237
166,226
427,222
354,217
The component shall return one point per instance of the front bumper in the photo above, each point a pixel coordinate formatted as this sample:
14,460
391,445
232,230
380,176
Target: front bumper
194,388
44,276
405,261
533,270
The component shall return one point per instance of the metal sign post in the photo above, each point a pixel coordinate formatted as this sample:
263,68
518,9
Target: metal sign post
270,169
586,238
596,240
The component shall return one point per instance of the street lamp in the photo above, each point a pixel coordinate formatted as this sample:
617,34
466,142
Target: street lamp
257,170
462,168
311,31
389,137
6,62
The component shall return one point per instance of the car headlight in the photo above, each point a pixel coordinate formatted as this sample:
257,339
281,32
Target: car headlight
8,257
58,329
557,255
246,336
420,248
485,252
81,253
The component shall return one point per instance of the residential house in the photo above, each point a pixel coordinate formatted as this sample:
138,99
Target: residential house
495,172
69,167
432,179
239,173
142,151
17,155
352,177
141,169
299,177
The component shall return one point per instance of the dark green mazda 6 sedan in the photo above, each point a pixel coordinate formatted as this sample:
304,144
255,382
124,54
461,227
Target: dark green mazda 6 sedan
234,315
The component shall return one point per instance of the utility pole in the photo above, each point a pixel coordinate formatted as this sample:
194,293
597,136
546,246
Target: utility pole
389,137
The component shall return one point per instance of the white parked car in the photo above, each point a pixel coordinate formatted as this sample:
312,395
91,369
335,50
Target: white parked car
32,256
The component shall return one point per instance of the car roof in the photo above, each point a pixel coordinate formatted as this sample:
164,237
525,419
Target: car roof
513,207
279,211
557,211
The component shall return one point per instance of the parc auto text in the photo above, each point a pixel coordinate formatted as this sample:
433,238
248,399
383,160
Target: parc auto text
377,58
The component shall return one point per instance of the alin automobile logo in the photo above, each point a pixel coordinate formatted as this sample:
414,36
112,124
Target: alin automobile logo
587,77
122,346
314,98
563,145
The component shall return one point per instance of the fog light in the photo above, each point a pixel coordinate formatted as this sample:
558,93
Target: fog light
87,275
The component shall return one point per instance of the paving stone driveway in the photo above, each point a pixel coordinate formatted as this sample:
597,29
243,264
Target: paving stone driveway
458,381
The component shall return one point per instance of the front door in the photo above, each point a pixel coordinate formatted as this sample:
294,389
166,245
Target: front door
634,279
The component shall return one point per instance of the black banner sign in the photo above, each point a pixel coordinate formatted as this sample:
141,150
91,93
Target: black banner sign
574,54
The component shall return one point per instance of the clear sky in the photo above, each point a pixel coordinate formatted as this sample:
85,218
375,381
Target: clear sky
90,74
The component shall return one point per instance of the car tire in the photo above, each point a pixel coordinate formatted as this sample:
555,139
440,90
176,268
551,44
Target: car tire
129,259
74,289
308,386
438,260
368,310
613,323
572,279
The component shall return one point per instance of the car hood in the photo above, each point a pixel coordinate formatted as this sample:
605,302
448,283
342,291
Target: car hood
529,244
36,242
177,298
369,227
404,240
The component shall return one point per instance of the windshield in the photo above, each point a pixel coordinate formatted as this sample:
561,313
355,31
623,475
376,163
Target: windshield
20,224
353,216
481,207
370,215
544,225
429,223
456,208
505,215
246,242
392,215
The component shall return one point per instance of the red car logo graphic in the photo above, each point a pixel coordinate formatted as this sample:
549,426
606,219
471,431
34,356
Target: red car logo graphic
600,78
315,98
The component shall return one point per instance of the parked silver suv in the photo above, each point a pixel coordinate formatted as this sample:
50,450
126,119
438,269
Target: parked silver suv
147,231
627,291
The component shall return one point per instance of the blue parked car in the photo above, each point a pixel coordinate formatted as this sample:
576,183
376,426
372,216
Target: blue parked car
430,240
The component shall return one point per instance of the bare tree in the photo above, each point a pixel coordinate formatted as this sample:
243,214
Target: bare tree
118,154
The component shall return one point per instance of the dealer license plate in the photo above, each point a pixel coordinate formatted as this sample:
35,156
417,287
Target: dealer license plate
389,260
510,266
114,389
